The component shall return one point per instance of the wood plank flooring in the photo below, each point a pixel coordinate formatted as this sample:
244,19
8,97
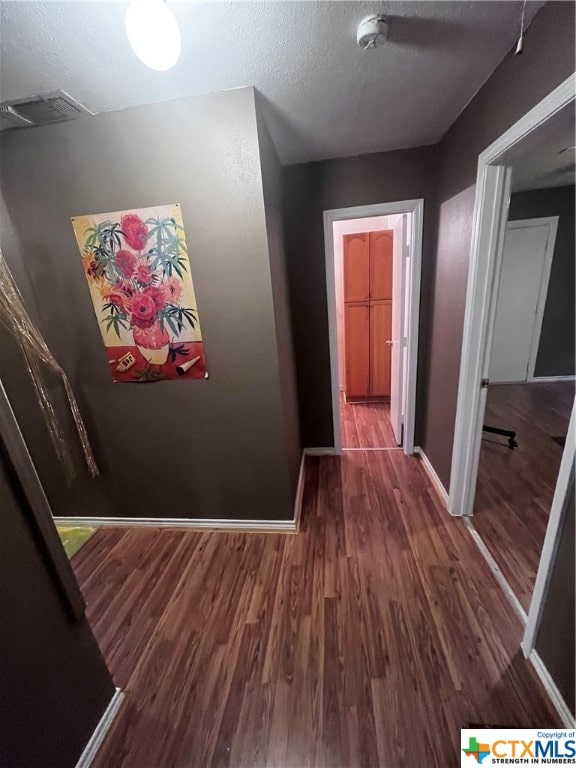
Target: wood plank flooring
515,488
368,639
366,425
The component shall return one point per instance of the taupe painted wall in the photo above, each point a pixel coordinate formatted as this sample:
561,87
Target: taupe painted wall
272,187
309,190
516,86
556,641
55,684
199,449
557,340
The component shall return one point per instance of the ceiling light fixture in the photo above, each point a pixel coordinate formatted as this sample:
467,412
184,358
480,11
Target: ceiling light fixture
153,33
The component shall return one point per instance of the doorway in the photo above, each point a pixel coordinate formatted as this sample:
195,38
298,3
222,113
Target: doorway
373,257
514,443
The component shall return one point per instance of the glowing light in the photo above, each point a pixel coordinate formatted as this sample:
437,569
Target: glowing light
153,33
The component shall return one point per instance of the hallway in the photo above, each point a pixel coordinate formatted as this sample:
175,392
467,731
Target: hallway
366,424
368,639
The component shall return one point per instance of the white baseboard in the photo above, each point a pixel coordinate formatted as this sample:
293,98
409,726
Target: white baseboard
101,730
555,696
544,379
431,472
498,575
225,524
299,492
322,451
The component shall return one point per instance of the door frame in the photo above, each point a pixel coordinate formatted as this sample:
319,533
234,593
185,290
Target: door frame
552,223
413,276
552,539
56,559
488,230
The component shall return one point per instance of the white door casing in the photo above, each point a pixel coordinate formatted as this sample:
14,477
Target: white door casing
490,213
415,210
522,289
399,249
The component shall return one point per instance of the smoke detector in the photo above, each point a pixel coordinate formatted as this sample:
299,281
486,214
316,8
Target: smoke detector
372,31
40,110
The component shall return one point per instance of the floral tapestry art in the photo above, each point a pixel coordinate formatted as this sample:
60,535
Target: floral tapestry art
138,271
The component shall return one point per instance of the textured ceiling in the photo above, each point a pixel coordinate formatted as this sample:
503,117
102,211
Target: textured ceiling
324,96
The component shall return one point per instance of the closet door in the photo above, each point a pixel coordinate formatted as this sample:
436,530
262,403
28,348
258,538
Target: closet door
381,264
380,351
356,267
357,346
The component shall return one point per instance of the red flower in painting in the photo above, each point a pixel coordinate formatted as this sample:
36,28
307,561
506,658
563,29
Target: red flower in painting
142,309
172,290
117,297
126,262
125,287
135,231
157,296
143,273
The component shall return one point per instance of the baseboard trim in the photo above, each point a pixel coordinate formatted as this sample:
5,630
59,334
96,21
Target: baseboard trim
224,524
431,472
101,730
299,492
498,575
544,379
322,451
550,686
258,526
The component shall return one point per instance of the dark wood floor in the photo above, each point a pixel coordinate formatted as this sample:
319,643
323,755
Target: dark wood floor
366,425
368,639
515,488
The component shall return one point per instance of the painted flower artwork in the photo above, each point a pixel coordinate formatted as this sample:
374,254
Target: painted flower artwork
138,271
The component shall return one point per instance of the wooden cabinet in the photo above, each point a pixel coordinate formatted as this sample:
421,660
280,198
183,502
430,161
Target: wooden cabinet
356,267
368,313
357,348
380,352
381,265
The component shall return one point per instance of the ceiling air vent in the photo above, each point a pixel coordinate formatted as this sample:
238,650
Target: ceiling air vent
10,119
41,110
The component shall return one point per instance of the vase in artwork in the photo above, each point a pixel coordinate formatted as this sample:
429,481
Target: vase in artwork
153,343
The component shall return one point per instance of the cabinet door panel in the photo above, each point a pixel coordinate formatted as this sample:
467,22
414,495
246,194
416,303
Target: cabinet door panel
357,340
380,352
381,264
356,267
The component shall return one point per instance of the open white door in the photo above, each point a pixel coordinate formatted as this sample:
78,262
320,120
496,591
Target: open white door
524,276
399,251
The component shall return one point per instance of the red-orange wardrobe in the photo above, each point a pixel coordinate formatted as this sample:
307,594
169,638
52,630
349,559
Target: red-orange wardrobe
368,313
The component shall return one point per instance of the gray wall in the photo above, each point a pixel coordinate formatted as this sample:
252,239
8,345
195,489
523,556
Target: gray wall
556,641
309,190
272,187
55,685
557,340
518,84
200,449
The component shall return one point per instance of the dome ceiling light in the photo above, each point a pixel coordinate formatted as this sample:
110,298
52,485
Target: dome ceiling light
153,33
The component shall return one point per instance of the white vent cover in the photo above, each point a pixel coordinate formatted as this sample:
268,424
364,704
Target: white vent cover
10,119
41,110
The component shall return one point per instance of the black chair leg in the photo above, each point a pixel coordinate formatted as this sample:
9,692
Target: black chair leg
504,433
